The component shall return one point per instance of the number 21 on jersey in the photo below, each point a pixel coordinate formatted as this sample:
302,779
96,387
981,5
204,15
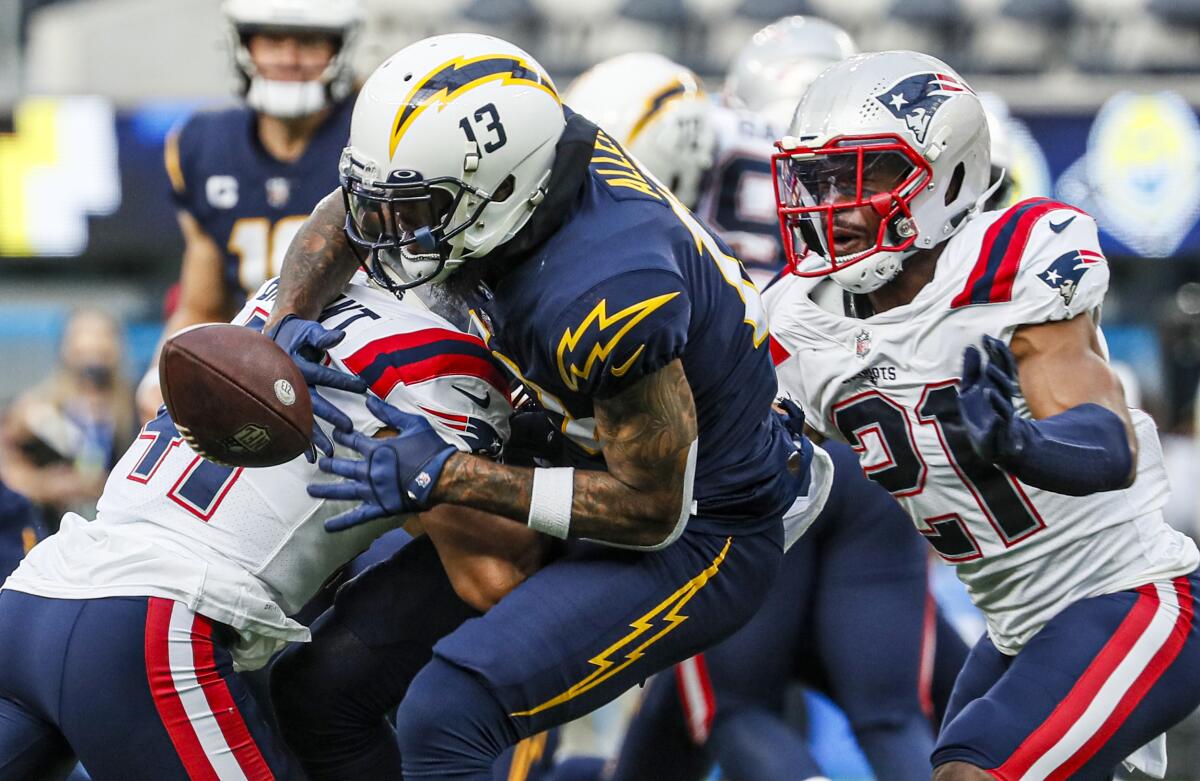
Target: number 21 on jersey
996,494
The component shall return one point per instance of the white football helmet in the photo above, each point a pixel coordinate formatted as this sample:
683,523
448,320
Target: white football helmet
657,110
451,144
907,124
996,112
339,19
777,64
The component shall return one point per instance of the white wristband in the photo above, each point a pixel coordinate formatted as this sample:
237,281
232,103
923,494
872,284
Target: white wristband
550,504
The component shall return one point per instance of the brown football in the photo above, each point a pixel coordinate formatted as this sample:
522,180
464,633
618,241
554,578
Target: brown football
235,395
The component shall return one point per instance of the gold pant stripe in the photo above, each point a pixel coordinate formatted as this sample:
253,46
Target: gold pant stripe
528,751
665,614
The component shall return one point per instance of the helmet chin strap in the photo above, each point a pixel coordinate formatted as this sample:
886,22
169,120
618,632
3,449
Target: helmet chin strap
286,99
899,257
980,202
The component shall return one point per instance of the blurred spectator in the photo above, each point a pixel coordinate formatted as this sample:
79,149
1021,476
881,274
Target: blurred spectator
60,438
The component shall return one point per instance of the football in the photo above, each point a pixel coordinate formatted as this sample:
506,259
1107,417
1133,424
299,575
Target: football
235,396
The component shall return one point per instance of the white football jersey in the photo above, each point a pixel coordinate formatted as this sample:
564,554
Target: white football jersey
247,547
888,384
738,197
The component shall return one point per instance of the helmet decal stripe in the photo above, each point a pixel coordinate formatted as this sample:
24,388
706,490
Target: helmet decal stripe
654,106
452,78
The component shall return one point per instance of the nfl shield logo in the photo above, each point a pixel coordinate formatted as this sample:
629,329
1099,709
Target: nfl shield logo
278,191
862,343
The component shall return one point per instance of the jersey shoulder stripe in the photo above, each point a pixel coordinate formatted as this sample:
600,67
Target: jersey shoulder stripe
991,279
779,353
423,355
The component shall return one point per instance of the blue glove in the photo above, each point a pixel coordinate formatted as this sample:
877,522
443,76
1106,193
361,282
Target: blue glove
396,475
800,461
1080,451
985,399
305,341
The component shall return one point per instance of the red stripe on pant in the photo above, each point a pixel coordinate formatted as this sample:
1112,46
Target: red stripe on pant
1068,712
220,701
1163,659
166,699
698,711
928,652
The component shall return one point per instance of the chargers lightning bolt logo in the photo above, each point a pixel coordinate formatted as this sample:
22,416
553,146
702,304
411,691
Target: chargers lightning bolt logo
450,79
628,317
663,617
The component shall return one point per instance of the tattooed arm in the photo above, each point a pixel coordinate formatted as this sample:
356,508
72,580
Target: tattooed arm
318,263
646,431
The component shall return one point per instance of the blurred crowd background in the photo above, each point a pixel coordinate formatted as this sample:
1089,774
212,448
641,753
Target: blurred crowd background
1101,95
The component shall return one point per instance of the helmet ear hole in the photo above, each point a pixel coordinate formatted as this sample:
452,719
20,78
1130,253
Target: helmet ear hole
956,180
505,189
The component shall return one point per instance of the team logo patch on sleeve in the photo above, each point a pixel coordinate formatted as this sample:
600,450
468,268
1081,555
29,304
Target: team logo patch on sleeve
598,334
915,99
1065,272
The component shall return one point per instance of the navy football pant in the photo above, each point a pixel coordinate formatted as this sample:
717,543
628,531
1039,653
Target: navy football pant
658,745
1102,678
332,696
573,637
850,614
135,687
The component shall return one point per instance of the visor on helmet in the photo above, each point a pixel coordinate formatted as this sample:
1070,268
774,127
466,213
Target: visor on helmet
818,189
405,222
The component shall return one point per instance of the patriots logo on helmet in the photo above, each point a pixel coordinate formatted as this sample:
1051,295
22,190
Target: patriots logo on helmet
1065,272
915,99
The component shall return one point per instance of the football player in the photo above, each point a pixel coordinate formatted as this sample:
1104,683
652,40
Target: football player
715,154
244,178
971,377
638,334
760,92
851,612
121,635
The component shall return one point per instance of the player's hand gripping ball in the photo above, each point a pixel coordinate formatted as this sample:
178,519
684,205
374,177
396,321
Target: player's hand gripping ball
235,396
305,342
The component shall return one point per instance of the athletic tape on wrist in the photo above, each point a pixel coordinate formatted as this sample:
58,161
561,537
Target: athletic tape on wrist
550,504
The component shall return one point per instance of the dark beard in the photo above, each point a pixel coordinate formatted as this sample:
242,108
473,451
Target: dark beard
462,290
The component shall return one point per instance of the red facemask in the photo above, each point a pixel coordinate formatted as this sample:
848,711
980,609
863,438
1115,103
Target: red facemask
818,190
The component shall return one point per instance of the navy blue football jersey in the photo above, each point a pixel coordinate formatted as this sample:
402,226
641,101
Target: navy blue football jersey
630,282
20,528
250,203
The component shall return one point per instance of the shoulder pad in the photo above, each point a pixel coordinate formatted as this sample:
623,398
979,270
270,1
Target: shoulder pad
1043,256
1004,246
622,329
